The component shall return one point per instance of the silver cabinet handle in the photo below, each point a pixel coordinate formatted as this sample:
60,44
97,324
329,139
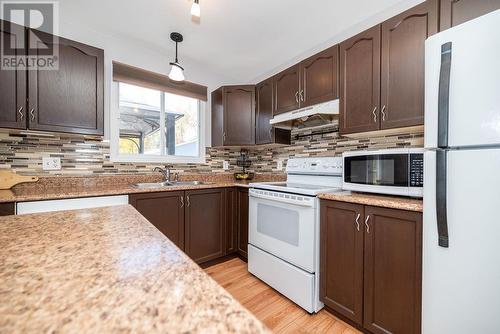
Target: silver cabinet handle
357,221
301,95
374,112
224,137
21,114
188,201
32,114
367,225
182,201
297,97
383,114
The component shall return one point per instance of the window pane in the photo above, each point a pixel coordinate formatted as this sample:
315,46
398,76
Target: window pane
139,120
182,125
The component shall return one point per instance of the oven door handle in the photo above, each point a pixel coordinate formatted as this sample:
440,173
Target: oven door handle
283,200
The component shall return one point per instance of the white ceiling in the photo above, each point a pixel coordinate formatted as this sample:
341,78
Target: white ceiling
242,40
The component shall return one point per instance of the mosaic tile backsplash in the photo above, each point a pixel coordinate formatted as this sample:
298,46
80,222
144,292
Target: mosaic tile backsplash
23,152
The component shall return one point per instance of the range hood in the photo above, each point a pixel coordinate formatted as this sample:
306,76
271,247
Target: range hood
318,114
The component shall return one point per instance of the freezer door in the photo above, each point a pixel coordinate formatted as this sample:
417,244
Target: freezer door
461,284
466,57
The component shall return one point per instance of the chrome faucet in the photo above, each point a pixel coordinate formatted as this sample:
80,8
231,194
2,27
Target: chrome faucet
165,171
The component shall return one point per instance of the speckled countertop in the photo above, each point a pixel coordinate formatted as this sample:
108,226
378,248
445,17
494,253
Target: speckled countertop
392,202
106,270
50,188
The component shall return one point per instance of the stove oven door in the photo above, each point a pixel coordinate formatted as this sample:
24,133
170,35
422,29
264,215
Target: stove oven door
284,225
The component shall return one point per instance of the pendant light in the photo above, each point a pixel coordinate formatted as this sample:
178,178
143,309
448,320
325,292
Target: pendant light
176,70
195,8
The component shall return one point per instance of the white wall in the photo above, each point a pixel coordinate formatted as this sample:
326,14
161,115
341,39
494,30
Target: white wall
133,52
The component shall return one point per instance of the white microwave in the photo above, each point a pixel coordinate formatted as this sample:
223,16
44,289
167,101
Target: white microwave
393,171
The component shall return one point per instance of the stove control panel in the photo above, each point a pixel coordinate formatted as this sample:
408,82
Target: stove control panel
319,165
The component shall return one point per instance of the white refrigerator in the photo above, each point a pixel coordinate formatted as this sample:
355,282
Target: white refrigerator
461,254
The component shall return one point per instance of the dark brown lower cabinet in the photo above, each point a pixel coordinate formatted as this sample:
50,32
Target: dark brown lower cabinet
243,222
7,209
164,210
342,258
231,220
205,224
371,266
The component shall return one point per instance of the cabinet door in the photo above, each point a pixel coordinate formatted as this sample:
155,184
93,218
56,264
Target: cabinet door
360,82
239,115
217,118
455,12
403,65
165,211
393,271
243,222
341,258
319,77
205,224
70,99
7,209
264,130
286,90
231,220
12,82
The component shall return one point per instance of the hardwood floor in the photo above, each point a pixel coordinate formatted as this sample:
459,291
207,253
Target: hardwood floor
277,312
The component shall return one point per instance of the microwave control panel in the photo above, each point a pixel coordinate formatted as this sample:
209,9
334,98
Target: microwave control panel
417,170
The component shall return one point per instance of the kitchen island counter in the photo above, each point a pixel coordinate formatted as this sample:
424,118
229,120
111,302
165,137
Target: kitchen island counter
106,270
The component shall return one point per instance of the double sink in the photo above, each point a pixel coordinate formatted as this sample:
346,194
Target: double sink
170,184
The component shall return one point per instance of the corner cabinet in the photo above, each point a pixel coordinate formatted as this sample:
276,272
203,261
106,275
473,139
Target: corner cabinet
382,72
455,12
69,99
233,116
265,133
371,266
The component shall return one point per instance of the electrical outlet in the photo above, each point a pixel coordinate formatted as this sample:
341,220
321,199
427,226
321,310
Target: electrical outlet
279,165
225,165
51,163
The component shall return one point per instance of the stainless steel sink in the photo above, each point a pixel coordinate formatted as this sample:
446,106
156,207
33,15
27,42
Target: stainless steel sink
169,184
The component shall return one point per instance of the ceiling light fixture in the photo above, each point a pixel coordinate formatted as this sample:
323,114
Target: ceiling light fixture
176,70
195,8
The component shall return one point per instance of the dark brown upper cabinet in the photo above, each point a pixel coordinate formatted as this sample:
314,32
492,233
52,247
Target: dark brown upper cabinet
265,133
392,271
341,259
70,99
360,82
233,116
205,224
319,77
454,12
403,65
286,90
12,82
165,210
312,81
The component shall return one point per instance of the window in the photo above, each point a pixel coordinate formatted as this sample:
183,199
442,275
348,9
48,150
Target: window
154,126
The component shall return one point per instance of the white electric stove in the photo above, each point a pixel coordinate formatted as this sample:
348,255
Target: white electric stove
283,248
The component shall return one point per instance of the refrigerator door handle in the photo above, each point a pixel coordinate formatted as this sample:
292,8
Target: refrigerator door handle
444,94
441,205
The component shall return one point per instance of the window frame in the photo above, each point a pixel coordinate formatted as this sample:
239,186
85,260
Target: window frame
115,155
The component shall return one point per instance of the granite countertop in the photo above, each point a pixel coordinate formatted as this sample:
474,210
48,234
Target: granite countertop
106,270
26,195
391,202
